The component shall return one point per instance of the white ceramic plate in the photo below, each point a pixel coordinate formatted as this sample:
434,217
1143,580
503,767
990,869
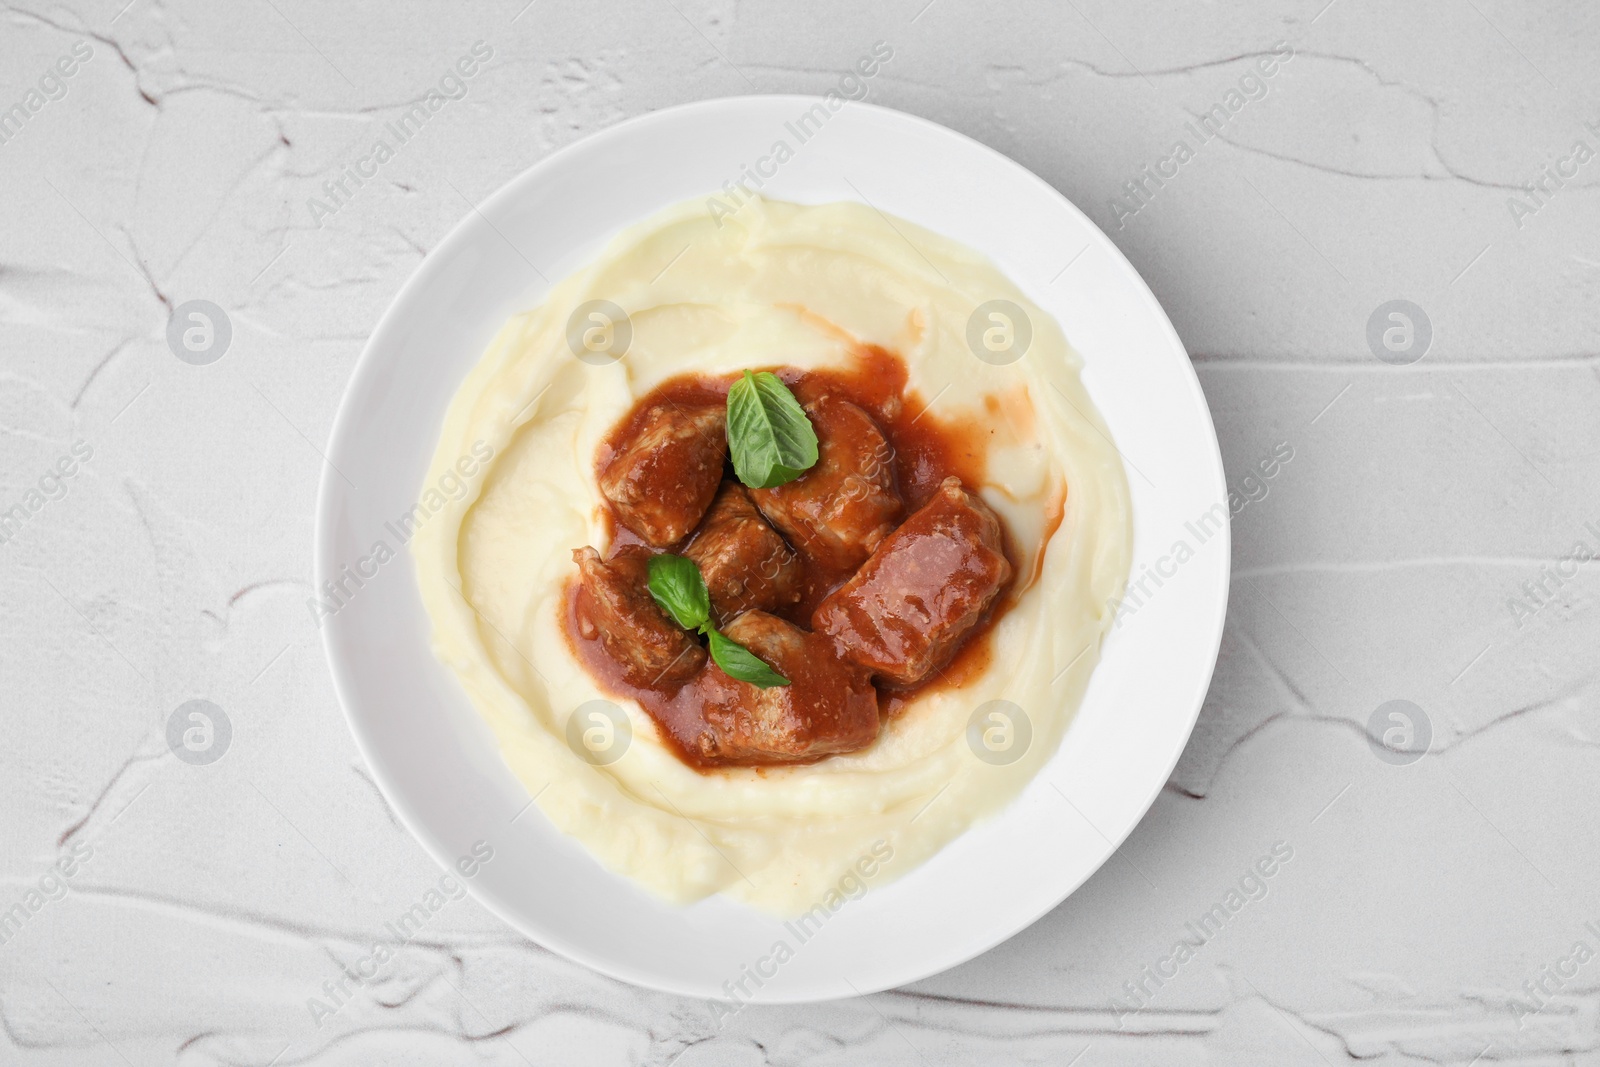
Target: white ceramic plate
437,762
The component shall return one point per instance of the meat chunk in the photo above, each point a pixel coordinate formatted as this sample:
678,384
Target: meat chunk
828,707
840,509
614,603
744,562
666,470
908,609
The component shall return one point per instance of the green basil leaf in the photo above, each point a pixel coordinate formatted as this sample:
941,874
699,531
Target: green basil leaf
769,436
739,662
676,585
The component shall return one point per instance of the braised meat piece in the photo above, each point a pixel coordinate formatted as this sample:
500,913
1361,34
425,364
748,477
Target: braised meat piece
614,603
665,472
744,562
908,609
840,509
828,707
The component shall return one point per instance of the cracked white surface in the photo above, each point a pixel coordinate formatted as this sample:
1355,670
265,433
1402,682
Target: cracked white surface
1380,564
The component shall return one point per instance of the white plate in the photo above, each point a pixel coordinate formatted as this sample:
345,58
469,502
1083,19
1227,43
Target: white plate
436,760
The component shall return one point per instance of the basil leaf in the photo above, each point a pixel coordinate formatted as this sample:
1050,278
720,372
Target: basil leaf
676,585
769,436
739,662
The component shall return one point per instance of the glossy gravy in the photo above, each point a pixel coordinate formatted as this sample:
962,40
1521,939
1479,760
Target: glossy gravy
926,449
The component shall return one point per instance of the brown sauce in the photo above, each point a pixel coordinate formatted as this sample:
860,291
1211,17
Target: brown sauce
927,448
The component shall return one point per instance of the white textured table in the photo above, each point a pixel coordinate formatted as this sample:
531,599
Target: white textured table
1416,546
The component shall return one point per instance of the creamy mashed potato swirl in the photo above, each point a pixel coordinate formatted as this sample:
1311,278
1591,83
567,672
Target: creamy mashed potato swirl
776,283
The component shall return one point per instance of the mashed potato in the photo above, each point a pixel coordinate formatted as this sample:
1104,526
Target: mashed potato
775,283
